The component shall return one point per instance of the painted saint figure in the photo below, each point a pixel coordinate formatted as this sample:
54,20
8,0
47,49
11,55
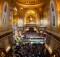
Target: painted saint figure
4,20
5,14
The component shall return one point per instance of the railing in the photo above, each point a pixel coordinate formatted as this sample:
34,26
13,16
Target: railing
54,35
49,36
3,37
53,42
4,32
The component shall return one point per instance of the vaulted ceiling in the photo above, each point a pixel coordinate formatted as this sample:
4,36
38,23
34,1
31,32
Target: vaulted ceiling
24,5
31,2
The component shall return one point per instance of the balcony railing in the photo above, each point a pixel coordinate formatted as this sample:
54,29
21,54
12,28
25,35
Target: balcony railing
54,35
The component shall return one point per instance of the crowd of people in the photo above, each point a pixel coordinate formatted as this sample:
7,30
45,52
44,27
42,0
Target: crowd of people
31,50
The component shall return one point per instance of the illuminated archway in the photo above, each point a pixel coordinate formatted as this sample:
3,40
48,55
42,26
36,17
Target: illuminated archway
33,15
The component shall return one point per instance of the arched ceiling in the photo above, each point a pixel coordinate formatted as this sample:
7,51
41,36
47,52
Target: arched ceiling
31,12
24,5
29,2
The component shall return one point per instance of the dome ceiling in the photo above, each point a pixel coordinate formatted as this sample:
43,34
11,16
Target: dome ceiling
24,5
29,2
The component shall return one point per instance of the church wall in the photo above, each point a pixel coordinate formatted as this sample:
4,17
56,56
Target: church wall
58,13
54,16
6,16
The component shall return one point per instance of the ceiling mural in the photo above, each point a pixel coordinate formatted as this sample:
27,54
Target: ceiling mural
24,5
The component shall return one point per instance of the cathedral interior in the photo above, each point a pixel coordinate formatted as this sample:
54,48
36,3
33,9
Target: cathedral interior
29,28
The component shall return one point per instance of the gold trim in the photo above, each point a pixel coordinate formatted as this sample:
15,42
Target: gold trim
24,5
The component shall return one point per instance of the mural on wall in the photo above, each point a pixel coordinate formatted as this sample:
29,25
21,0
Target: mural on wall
53,20
52,6
31,20
5,9
53,13
20,22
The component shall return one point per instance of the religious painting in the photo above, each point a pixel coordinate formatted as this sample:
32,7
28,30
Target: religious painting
4,20
53,13
52,7
4,14
5,7
53,20
20,22
30,19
